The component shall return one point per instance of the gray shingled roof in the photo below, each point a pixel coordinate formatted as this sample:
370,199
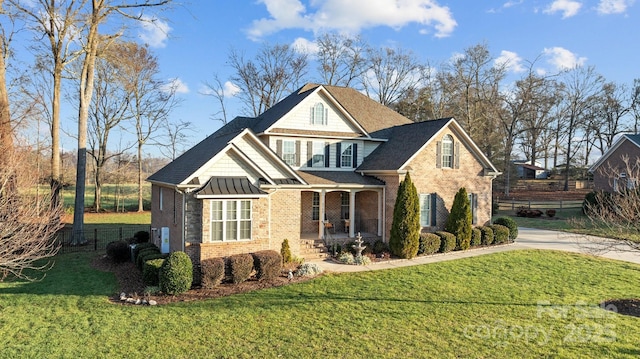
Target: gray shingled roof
403,143
185,165
225,186
338,177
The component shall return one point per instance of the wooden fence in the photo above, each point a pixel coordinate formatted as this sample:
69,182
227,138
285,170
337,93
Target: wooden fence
514,204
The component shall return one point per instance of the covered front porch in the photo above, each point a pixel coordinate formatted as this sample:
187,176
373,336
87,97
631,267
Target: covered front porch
341,213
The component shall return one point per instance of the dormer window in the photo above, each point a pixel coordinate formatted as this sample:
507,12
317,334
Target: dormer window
319,114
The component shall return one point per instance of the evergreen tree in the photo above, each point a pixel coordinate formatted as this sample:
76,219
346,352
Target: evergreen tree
459,221
405,230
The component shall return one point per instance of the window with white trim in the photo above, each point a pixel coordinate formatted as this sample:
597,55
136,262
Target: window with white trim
317,156
230,220
315,207
319,114
447,151
425,210
289,152
346,157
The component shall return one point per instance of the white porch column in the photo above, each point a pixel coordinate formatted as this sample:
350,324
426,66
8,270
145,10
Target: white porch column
321,215
352,212
380,214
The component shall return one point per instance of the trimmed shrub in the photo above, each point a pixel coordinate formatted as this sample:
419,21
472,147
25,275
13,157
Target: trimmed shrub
590,202
118,251
212,270
379,247
308,270
509,223
551,213
176,273
500,233
361,260
405,229
447,241
429,243
285,251
487,235
268,264
143,253
240,267
141,237
476,237
459,220
140,247
151,272
346,258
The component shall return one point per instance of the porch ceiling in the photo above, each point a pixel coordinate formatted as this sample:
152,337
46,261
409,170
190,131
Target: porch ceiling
338,178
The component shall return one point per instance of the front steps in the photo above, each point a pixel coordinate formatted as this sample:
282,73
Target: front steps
313,249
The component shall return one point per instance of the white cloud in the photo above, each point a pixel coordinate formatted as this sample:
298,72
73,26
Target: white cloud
230,89
176,85
351,16
568,8
607,7
305,46
563,59
154,31
510,60
512,3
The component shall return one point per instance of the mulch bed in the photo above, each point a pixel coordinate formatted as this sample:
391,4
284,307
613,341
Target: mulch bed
130,282
629,306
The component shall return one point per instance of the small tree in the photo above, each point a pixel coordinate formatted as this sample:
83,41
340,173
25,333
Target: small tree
405,229
459,221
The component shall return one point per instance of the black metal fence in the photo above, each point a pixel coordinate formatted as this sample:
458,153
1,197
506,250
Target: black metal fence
95,239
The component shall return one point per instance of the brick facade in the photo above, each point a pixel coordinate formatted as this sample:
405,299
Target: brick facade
605,173
168,214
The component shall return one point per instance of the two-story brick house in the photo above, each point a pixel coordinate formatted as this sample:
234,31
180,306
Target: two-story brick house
324,160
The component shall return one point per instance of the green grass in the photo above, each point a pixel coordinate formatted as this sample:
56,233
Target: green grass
490,306
127,199
569,220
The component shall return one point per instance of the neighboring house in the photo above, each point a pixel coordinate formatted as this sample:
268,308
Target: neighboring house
611,173
526,170
324,161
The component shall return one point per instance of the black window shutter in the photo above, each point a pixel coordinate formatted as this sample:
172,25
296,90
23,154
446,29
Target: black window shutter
338,155
456,155
434,204
354,154
327,148
439,154
309,153
279,148
297,153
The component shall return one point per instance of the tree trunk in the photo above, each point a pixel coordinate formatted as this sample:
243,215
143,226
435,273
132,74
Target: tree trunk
6,132
56,183
86,92
140,202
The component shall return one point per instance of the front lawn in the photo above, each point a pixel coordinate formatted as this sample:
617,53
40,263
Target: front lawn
512,304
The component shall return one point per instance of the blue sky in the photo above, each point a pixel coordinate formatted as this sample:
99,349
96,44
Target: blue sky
194,42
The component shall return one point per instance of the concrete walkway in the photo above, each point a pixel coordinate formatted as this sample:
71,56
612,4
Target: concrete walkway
528,238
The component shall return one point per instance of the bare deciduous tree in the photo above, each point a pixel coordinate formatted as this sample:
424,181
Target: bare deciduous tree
216,89
391,74
176,136
54,24
27,222
275,71
342,59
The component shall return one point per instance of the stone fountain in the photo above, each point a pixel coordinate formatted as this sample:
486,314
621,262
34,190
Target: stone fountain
358,246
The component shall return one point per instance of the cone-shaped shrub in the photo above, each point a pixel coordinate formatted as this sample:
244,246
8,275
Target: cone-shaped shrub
459,221
405,229
285,251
